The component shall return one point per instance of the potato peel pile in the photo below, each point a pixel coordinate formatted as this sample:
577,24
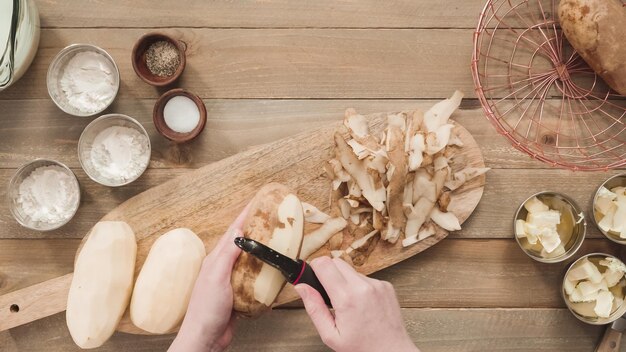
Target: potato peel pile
396,185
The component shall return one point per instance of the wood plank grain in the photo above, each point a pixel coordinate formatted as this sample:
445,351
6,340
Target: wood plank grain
261,14
454,273
504,191
37,128
290,63
440,330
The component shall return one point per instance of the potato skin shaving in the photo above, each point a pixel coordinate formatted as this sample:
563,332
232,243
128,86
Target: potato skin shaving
400,180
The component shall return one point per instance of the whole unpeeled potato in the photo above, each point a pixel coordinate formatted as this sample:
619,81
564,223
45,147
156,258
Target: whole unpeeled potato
275,219
597,30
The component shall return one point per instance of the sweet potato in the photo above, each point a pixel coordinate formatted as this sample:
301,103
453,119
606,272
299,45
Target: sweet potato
596,29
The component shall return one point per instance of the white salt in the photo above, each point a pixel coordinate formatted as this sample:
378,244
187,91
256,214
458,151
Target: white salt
181,114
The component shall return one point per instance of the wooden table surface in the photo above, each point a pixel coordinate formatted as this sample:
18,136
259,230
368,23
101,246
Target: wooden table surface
266,70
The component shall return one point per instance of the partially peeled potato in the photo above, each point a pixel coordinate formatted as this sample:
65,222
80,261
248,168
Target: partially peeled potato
275,219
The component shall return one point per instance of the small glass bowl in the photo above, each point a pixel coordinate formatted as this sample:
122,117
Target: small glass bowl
88,136
591,320
13,193
53,80
615,181
578,232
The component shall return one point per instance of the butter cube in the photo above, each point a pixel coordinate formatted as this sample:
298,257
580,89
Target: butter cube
519,228
612,278
531,229
577,296
547,218
619,219
560,250
588,288
606,224
585,270
534,205
550,239
613,264
604,303
568,286
604,200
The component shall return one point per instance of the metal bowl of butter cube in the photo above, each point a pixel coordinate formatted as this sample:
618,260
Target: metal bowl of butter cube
549,227
594,287
609,208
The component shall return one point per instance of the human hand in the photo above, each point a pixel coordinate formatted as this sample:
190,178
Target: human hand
209,322
367,314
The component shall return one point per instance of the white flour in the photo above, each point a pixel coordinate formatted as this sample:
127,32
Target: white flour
49,194
88,82
120,153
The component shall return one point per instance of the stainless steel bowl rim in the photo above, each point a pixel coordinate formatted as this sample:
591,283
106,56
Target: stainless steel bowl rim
593,209
105,117
577,211
19,172
567,302
64,52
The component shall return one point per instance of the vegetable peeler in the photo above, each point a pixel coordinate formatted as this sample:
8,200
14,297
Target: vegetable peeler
296,271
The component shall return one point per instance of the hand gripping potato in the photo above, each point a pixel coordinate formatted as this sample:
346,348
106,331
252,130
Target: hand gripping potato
102,283
276,220
597,30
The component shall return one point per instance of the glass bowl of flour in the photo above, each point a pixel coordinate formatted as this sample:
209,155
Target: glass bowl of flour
43,195
114,150
83,80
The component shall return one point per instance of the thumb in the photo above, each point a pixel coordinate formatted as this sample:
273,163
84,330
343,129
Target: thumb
226,254
318,312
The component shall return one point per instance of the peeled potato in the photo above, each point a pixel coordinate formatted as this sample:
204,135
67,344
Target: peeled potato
596,29
163,287
102,283
276,220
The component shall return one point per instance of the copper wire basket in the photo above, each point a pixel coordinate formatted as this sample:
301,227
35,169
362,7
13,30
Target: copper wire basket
538,92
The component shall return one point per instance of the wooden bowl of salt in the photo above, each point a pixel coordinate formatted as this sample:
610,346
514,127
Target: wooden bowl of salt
179,115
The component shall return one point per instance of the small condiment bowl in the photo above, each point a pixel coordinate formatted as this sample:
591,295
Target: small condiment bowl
56,68
578,232
591,320
88,136
13,193
615,181
159,118
139,59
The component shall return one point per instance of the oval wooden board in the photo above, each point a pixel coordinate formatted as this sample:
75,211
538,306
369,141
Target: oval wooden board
206,200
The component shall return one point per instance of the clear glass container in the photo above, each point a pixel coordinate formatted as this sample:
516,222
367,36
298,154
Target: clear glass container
19,39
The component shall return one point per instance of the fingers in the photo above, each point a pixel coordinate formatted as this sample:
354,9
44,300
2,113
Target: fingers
321,317
329,275
238,223
234,230
224,255
348,271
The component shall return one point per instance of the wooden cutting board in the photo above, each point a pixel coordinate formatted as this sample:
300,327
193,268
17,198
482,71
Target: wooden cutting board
206,200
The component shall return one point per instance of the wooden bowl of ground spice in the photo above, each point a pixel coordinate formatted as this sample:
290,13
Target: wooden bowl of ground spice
158,59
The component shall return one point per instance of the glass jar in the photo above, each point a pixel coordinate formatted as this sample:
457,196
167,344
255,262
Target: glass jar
19,39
